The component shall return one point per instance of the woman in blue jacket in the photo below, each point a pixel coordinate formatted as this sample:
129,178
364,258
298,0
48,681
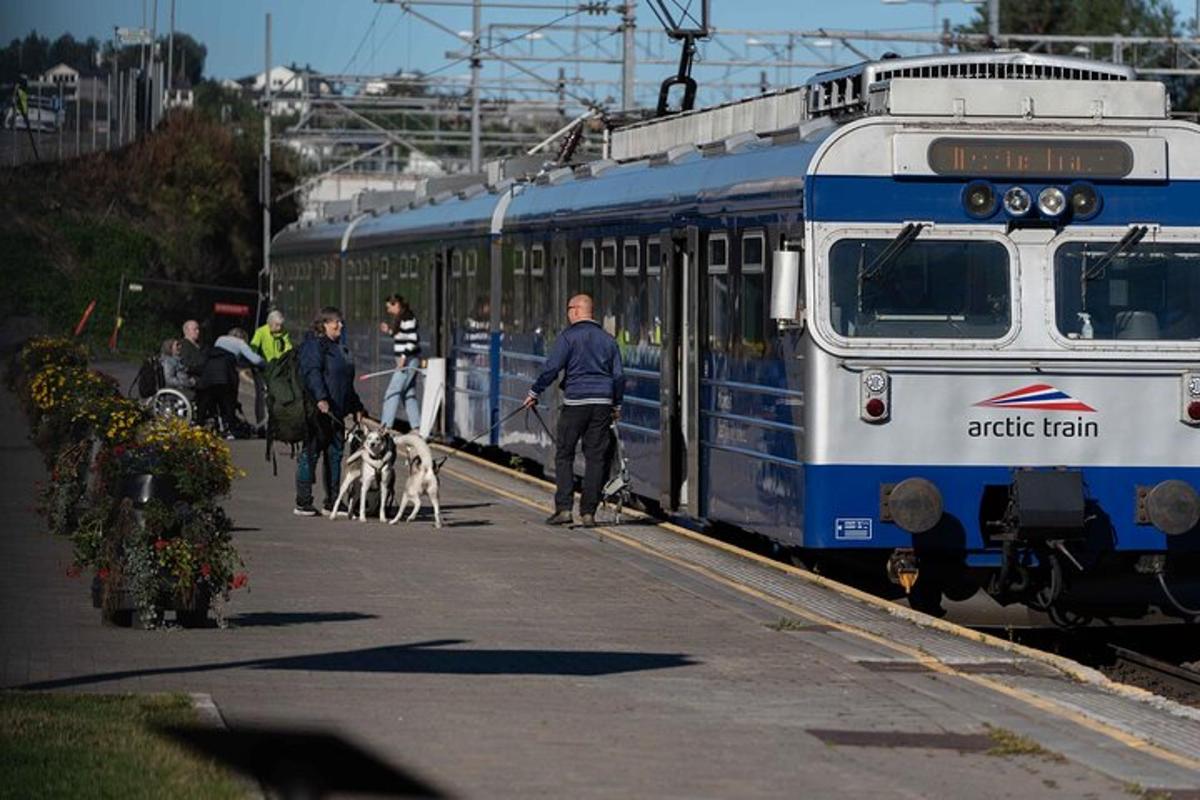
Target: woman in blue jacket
327,369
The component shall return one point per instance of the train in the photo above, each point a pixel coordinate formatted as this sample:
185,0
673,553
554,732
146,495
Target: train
929,321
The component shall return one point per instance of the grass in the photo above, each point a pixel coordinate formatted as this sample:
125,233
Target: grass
788,624
1007,743
66,745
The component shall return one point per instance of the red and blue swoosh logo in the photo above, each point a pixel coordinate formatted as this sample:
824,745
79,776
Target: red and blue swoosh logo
1038,397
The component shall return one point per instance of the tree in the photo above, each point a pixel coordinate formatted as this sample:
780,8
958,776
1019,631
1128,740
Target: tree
1081,18
189,57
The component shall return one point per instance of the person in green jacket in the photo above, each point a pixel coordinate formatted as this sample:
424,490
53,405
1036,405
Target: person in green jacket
270,341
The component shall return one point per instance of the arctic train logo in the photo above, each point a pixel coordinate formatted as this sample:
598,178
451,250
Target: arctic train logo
1036,397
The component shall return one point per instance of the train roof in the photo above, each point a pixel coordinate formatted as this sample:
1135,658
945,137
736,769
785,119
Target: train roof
743,169
319,236
468,213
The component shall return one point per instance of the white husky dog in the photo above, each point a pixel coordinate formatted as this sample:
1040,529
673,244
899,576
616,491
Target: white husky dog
370,464
421,477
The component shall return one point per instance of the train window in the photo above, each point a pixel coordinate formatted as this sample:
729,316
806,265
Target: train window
751,296
472,262
632,257
631,319
720,299
931,289
537,291
608,257
1151,292
718,253
587,269
752,252
652,293
519,262
519,291
456,261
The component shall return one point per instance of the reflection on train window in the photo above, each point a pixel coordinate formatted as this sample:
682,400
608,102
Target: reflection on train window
1150,292
718,253
519,292
652,296
537,291
587,269
928,290
610,288
720,305
456,259
472,262
631,318
752,293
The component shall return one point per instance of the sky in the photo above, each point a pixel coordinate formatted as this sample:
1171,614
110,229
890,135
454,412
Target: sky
363,36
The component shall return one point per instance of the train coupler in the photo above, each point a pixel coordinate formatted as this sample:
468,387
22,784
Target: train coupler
902,568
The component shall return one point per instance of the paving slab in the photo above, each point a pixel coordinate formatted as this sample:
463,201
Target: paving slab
500,657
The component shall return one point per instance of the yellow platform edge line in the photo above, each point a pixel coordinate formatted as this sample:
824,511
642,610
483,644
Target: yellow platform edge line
1041,703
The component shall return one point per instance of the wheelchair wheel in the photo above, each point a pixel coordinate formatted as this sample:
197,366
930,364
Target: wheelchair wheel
171,403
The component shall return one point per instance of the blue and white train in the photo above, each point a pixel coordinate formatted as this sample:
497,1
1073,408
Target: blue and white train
933,319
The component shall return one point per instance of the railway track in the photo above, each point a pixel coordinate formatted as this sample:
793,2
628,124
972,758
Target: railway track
1161,677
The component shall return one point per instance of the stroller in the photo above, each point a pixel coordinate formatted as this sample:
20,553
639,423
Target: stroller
617,492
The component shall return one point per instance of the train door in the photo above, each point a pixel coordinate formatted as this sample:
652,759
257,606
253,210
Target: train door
678,395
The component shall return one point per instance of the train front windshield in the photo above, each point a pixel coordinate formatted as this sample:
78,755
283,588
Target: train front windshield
928,289
1150,292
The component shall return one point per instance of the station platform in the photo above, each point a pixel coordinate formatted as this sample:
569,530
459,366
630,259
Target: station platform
500,657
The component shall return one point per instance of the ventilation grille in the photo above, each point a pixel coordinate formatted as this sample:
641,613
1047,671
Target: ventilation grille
843,92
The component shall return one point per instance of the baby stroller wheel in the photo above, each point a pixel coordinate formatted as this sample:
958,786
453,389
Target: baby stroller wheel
171,403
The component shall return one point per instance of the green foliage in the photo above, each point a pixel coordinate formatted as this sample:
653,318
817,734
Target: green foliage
73,745
1081,18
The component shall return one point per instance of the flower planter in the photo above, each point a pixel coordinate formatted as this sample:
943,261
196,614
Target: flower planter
119,608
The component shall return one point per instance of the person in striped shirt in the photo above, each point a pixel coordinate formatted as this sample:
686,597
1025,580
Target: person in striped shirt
406,347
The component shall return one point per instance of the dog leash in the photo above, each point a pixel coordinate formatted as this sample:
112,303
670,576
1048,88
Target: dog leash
437,464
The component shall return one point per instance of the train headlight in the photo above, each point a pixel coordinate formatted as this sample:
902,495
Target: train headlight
1172,506
1084,201
1017,201
979,199
914,504
1051,201
1189,405
874,396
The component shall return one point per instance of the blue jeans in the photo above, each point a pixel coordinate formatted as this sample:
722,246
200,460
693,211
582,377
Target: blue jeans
306,466
402,386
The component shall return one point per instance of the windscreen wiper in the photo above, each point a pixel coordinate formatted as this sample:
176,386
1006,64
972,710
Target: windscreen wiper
897,246
1124,247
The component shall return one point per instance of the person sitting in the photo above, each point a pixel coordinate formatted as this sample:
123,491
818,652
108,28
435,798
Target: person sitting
175,374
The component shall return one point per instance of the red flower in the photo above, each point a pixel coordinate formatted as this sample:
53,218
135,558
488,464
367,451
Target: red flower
119,451
239,580
102,573
205,570
73,571
159,544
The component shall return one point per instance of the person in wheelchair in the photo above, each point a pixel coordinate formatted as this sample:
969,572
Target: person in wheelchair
217,387
175,374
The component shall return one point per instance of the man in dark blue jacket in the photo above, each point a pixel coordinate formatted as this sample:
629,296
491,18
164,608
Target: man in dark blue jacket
593,386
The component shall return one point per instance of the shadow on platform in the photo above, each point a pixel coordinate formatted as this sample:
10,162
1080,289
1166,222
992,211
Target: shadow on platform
302,764
280,619
417,658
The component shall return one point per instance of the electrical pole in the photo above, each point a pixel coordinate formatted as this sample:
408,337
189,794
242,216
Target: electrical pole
171,53
994,19
265,169
628,56
476,65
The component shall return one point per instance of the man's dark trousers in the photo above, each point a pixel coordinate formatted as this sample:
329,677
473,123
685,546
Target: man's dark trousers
590,423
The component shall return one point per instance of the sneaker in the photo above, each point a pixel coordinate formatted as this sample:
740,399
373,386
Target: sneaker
304,511
560,518
587,520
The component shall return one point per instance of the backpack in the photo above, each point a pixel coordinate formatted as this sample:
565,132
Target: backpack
150,377
288,404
